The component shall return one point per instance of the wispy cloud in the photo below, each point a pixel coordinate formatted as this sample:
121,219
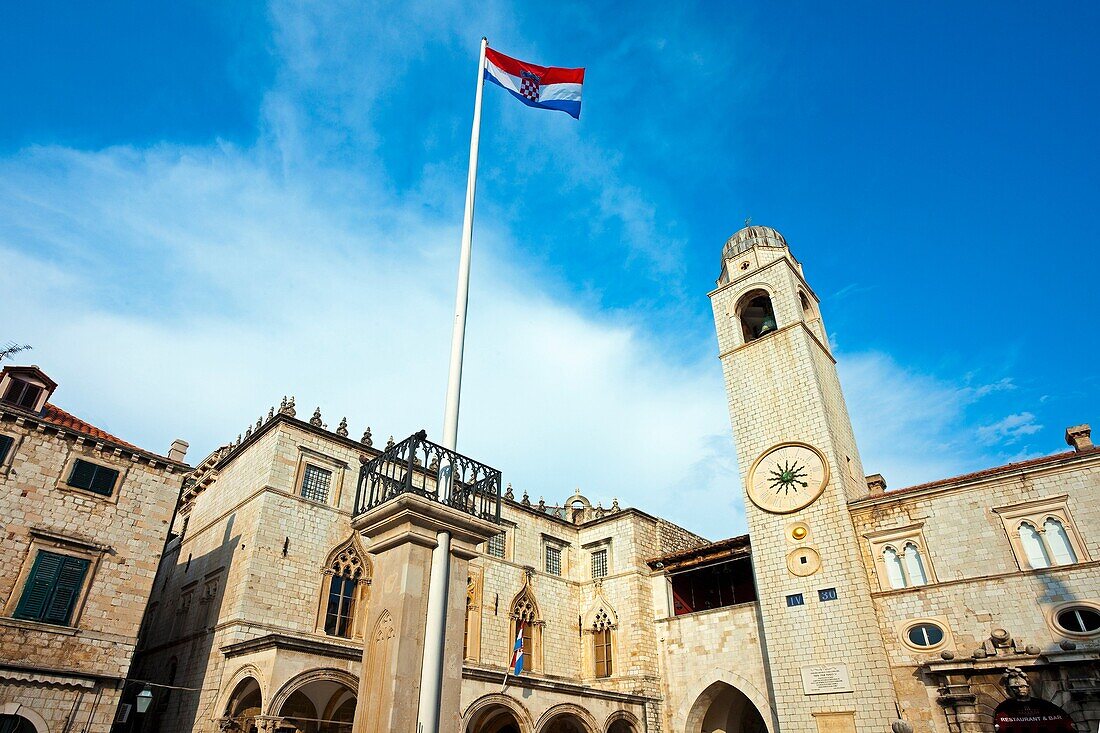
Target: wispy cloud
1009,430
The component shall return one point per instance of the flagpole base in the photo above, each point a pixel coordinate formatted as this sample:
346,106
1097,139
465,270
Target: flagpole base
402,536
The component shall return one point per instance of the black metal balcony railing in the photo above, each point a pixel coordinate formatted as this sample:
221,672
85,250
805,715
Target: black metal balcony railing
418,466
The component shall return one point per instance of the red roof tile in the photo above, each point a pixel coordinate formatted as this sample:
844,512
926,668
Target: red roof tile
56,416
985,473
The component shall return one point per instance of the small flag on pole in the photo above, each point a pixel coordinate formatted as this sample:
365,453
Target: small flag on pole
544,87
517,651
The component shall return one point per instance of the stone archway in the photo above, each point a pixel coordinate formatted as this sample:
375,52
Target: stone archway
244,704
319,701
723,708
567,718
496,714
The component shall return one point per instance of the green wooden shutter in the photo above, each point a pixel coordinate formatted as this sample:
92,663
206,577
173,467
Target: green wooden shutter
39,586
70,580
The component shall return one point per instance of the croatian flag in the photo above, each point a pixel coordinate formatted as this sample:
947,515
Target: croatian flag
545,87
517,650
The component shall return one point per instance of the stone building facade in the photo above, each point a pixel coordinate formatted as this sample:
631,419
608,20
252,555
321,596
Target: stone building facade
951,607
83,515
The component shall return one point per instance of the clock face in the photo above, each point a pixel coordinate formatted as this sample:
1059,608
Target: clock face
787,478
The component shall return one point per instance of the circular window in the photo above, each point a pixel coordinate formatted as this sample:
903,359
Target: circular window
1079,620
924,635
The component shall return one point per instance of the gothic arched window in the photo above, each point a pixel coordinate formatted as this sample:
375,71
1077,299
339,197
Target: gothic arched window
914,565
348,576
601,644
526,611
1061,550
1033,546
894,571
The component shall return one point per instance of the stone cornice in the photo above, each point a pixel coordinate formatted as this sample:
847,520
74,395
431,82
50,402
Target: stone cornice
294,644
26,419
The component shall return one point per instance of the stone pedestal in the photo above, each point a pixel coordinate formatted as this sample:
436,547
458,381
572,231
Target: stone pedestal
401,535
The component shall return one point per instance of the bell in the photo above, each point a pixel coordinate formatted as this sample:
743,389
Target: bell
767,326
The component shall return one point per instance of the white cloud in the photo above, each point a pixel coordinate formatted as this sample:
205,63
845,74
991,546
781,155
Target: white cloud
1009,430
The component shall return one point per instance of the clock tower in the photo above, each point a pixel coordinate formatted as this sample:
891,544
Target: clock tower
799,467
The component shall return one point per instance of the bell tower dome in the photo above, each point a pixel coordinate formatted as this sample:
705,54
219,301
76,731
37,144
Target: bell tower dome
799,467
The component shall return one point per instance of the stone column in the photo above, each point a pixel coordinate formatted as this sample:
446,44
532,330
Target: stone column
401,535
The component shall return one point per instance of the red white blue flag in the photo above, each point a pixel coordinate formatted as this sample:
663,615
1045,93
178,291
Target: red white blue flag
517,650
545,87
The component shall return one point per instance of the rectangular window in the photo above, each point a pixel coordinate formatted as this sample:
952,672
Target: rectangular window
341,604
52,588
496,545
602,641
23,394
93,477
599,564
315,483
6,442
553,560
795,599
827,594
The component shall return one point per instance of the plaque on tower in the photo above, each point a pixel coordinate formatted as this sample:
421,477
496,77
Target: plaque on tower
824,679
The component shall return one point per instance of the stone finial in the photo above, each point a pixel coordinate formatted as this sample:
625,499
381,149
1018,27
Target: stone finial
1033,649
342,428
389,443
542,504
282,405
238,440
1067,645
615,505
1079,436
178,450
316,419
270,413
901,726
290,407
508,493
367,440
526,501
876,484
248,432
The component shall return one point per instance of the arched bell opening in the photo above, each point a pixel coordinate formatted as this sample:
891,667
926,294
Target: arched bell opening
244,705
756,315
722,708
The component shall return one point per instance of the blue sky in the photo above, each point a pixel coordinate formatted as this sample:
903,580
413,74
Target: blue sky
206,206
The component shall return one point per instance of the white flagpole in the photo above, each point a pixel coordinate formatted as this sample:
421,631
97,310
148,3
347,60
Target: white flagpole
435,636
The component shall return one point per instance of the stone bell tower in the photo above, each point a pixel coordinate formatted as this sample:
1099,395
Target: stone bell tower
799,467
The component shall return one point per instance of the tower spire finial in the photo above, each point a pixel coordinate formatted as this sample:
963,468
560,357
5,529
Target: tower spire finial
748,221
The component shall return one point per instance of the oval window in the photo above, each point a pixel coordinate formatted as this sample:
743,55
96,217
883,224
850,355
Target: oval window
1079,620
924,635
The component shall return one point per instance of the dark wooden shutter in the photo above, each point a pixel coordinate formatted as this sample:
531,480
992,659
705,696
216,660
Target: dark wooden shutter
6,442
104,480
82,474
39,586
70,580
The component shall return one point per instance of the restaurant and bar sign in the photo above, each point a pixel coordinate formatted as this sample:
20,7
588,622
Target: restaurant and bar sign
1031,716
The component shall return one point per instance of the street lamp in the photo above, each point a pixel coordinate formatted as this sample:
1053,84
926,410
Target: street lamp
144,698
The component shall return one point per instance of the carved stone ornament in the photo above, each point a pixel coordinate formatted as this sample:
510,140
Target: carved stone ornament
367,440
342,428
316,419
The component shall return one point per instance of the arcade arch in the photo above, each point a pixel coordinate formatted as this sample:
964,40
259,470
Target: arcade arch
319,701
723,708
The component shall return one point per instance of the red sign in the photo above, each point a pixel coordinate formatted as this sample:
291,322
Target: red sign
1031,716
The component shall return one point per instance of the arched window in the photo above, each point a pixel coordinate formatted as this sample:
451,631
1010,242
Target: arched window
348,577
526,611
914,565
601,644
894,571
471,637
1033,546
756,315
1058,541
